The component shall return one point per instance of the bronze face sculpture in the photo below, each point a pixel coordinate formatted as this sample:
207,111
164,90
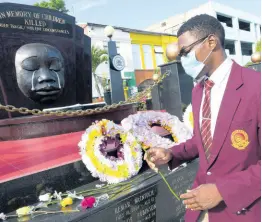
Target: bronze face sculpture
40,72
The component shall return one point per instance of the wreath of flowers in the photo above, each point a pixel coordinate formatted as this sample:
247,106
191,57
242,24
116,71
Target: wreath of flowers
140,126
188,118
109,168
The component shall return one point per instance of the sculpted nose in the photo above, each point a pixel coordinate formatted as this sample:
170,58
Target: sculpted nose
46,75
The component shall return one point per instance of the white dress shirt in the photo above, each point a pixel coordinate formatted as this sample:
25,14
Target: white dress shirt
220,78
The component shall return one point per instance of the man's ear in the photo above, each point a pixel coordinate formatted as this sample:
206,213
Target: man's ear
212,42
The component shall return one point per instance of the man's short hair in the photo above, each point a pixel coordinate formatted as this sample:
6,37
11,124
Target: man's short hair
203,25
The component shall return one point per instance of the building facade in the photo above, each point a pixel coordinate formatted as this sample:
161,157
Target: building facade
242,29
143,51
149,49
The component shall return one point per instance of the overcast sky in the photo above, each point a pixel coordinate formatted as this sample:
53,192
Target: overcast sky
139,14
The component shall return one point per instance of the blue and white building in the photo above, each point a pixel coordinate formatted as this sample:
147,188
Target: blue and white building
242,29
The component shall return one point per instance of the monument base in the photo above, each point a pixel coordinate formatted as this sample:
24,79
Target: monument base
28,127
39,154
147,200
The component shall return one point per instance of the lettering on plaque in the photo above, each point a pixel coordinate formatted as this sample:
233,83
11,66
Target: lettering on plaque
138,208
180,184
36,22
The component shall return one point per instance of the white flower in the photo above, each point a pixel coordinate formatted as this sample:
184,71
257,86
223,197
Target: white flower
188,118
74,196
140,126
57,196
103,197
45,197
3,216
110,125
99,185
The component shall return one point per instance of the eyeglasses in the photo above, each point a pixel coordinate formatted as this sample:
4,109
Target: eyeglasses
186,49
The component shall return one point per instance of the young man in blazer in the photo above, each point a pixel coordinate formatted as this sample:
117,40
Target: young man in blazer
227,119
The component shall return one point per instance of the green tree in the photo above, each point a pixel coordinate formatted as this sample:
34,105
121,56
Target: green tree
258,49
258,46
58,5
98,56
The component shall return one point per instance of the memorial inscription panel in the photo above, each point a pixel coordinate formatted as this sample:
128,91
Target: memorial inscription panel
182,183
140,208
152,202
148,200
29,19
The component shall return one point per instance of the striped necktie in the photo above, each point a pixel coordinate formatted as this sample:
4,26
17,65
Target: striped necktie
206,119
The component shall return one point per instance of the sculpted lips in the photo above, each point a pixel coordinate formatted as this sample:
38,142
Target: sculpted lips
47,91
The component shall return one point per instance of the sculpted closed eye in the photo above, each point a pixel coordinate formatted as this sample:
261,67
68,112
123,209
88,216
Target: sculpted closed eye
55,64
31,64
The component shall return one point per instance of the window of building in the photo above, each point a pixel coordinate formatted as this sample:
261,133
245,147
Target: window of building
147,49
136,56
159,55
226,20
244,25
246,48
230,46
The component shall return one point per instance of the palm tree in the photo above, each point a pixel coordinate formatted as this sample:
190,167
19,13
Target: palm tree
98,56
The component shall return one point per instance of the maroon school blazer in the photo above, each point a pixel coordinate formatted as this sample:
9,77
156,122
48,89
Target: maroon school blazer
234,165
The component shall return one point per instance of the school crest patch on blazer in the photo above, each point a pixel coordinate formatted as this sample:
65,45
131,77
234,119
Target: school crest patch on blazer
239,139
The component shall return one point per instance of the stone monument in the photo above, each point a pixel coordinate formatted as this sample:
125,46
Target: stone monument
45,62
45,59
175,91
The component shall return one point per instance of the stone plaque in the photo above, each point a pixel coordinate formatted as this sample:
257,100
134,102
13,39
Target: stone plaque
140,208
28,19
147,200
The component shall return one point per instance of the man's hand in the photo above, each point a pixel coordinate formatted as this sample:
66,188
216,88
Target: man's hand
204,197
157,156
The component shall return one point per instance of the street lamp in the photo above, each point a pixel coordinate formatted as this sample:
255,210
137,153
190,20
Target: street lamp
172,51
117,64
109,31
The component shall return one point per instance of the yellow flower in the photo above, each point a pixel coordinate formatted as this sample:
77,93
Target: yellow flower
66,202
23,211
144,147
24,219
94,133
167,128
191,119
175,138
66,209
103,122
188,118
123,138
